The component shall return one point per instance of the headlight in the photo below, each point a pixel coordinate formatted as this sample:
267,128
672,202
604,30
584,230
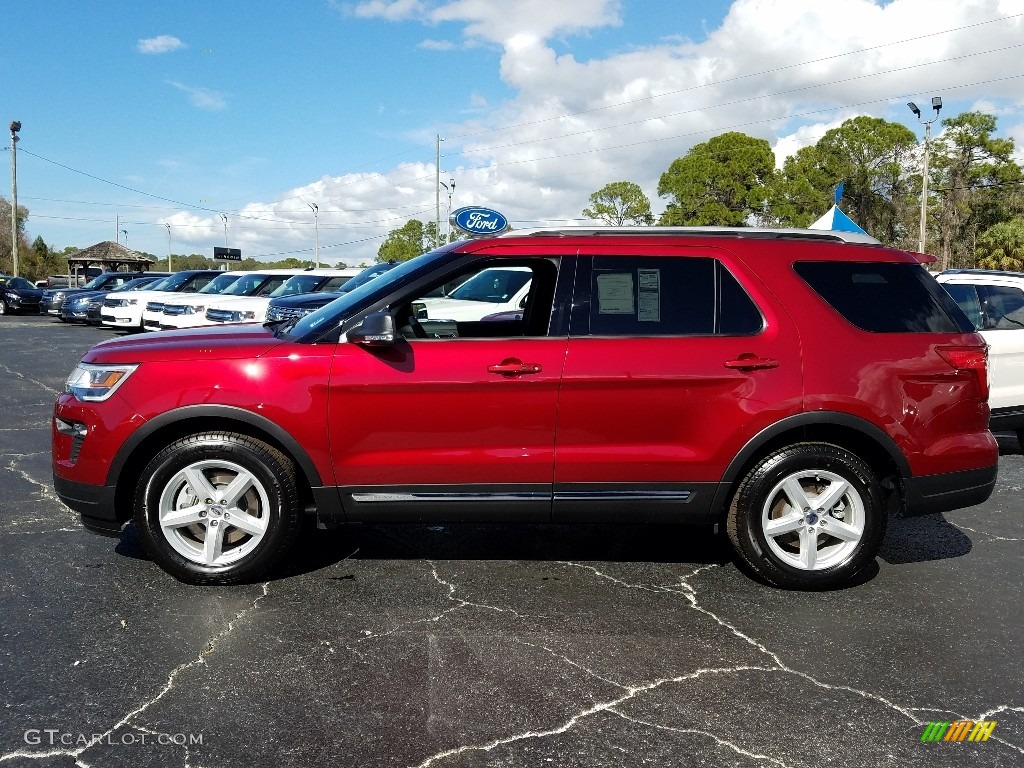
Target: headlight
94,383
190,310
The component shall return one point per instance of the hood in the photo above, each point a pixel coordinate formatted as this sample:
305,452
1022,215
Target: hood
226,342
307,300
24,292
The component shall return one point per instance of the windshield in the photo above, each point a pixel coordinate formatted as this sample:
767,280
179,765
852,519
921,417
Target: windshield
19,283
98,282
330,314
366,276
492,285
219,284
135,284
173,282
297,284
246,285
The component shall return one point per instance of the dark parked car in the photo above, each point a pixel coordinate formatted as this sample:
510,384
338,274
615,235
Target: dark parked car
287,307
79,306
658,374
18,295
107,281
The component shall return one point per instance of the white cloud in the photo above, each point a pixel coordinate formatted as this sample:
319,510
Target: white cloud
782,70
204,98
160,44
436,45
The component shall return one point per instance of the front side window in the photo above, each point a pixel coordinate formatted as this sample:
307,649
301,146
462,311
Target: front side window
667,296
507,299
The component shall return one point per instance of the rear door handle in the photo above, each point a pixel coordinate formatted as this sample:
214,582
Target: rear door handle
514,367
751,362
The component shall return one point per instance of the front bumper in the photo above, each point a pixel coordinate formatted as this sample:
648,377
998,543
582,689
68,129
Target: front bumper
95,504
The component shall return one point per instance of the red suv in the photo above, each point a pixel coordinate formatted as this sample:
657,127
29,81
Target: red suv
796,386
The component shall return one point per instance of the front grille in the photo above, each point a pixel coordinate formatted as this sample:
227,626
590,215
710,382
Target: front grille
221,316
276,314
174,309
154,306
114,302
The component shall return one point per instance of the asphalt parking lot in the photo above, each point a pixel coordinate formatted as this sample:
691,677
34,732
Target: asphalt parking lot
492,645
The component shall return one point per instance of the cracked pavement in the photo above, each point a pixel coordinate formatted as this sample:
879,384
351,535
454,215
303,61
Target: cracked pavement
535,645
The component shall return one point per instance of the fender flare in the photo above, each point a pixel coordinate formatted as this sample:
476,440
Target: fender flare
228,412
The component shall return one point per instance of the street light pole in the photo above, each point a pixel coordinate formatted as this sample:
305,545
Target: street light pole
936,105
316,227
125,233
15,127
168,247
450,188
224,216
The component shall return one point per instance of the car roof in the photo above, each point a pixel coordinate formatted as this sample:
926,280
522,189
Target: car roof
733,232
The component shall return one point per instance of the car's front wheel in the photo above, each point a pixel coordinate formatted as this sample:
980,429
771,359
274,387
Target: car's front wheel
809,516
217,508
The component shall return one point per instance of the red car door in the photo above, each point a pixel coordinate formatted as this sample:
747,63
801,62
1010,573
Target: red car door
674,360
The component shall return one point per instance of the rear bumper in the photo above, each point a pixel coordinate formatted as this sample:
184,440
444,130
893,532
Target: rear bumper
95,503
941,493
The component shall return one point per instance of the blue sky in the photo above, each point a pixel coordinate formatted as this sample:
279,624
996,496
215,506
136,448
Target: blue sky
258,109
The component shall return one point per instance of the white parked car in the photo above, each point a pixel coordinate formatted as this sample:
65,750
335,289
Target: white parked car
994,302
153,314
125,311
254,308
184,313
488,292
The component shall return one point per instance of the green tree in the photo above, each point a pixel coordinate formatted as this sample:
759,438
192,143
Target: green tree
971,172
6,260
620,203
1001,246
720,182
407,242
873,159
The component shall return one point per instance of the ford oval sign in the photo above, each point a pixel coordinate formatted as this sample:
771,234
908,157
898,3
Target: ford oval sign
477,222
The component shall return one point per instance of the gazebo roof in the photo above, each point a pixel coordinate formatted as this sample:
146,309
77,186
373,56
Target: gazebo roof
109,254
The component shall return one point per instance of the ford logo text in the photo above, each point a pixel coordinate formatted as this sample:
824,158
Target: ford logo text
476,221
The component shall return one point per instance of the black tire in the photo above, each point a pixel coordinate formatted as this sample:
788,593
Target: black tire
256,528
799,550
4,309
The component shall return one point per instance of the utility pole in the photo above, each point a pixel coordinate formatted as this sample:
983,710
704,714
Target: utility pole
125,233
168,247
437,191
936,105
15,127
224,217
450,188
316,226
117,229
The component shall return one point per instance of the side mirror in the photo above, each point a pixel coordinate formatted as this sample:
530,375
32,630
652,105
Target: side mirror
376,330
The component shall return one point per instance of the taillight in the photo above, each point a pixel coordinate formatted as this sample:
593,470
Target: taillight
968,359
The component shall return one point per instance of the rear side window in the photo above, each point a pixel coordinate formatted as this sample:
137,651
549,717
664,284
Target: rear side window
668,296
885,297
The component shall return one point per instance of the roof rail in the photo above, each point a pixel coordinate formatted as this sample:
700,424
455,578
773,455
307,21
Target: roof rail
737,232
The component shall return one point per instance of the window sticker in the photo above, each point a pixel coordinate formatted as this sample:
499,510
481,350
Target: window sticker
615,293
649,299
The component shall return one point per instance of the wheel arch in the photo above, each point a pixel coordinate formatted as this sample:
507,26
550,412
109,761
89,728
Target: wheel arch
856,435
163,430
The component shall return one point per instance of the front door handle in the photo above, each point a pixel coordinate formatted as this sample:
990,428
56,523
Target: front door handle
748,361
514,367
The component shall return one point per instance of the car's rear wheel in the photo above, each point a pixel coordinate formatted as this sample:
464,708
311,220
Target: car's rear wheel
218,508
3,307
809,516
